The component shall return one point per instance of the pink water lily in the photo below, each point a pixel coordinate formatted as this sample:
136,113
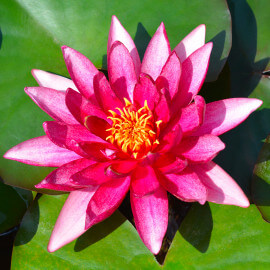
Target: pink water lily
145,130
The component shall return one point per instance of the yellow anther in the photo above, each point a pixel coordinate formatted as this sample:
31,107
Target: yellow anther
133,131
127,102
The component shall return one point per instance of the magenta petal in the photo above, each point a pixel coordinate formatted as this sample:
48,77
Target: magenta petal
119,33
104,94
145,89
185,185
68,136
40,151
50,80
162,110
144,181
194,70
52,102
97,126
223,115
157,53
106,200
221,188
151,217
193,41
192,116
71,220
121,71
80,107
59,179
168,163
95,174
81,71
170,75
170,139
199,149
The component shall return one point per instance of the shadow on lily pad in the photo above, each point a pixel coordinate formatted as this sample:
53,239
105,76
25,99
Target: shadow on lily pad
197,226
99,231
29,224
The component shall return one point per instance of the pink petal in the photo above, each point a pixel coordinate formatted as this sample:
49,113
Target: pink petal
121,71
124,166
106,200
151,217
185,185
97,126
95,174
156,54
192,116
145,89
40,151
50,80
144,181
59,179
52,102
199,149
170,75
68,136
221,188
104,94
194,70
168,163
71,220
162,110
119,33
170,139
81,71
192,42
223,115
80,107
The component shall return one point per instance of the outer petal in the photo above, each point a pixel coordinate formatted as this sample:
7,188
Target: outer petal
156,53
71,221
106,200
221,188
223,115
145,89
193,41
52,102
104,94
170,75
69,137
185,185
192,116
199,149
121,71
81,70
194,70
59,179
151,217
40,151
119,33
80,107
50,80
144,181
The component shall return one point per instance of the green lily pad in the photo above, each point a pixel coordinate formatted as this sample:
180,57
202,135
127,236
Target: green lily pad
31,36
261,181
211,237
13,205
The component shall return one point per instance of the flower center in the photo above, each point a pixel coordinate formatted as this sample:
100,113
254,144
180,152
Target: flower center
134,131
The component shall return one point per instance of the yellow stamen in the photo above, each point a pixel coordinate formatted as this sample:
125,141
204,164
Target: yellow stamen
133,131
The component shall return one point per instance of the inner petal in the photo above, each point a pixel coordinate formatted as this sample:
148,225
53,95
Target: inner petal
134,131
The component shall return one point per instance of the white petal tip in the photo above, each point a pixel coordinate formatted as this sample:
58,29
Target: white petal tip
155,248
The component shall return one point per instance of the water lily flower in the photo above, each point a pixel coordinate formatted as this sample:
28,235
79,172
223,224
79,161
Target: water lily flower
146,131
